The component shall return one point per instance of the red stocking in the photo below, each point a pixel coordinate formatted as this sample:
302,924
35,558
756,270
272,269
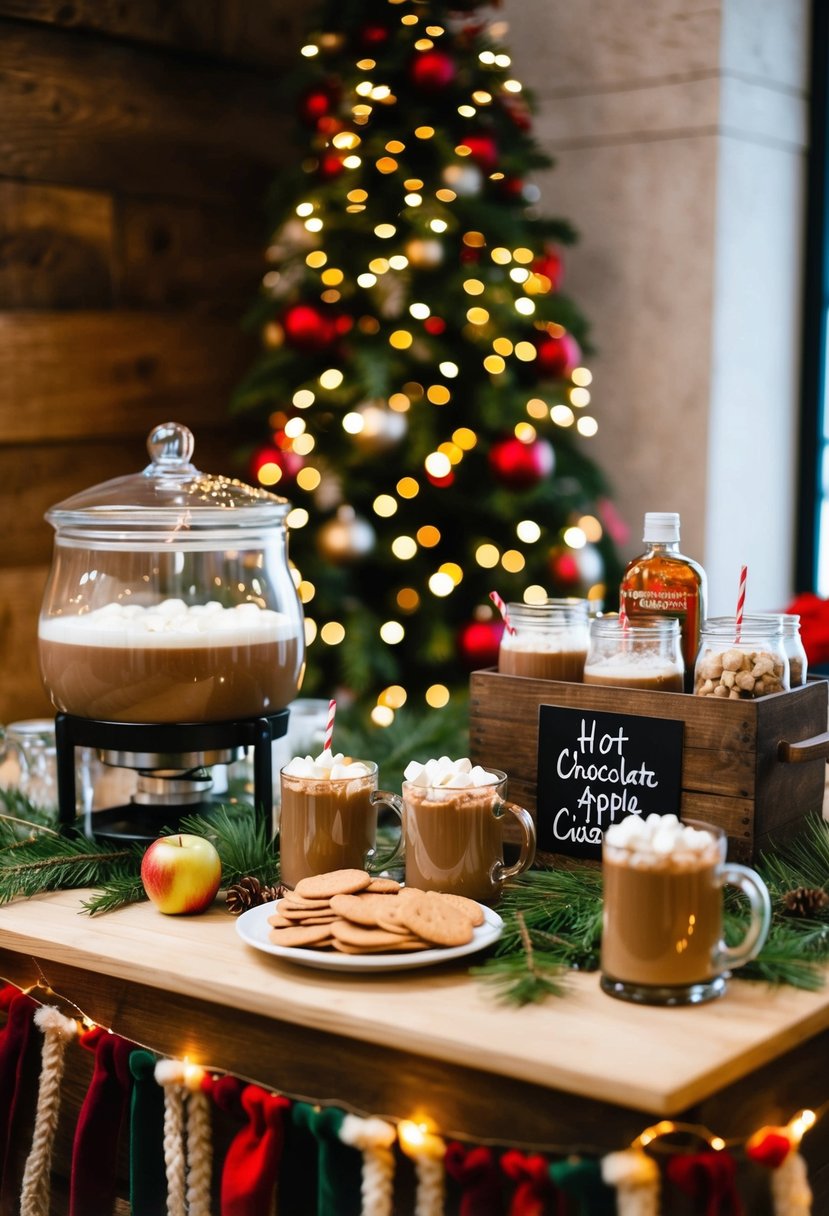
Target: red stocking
535,1194
476,1171
252,1161
15,1038
95,1147
709,1177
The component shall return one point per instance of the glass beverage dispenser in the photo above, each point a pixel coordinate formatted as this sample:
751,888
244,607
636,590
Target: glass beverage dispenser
171,635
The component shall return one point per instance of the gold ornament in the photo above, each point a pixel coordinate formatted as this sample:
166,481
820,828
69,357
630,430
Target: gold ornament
424,253
345,538
382,428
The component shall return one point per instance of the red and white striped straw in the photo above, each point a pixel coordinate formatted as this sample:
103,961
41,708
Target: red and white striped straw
329,725
741,603
502,608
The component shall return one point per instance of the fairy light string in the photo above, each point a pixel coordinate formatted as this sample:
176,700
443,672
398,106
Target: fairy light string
420,1138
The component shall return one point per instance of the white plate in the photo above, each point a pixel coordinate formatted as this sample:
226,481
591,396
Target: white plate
253,928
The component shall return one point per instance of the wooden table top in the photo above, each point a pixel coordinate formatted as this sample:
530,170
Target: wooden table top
586,1043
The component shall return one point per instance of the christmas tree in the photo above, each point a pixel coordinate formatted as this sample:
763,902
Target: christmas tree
422,396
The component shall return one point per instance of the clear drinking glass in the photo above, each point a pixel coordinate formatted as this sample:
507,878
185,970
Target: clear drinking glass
644,653
755,664
548,642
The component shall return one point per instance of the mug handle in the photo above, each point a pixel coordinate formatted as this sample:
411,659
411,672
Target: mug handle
752,885
500,872
394,803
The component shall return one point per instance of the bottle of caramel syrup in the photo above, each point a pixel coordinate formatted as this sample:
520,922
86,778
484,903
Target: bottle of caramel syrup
663,581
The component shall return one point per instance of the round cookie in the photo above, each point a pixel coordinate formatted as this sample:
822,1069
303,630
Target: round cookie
363,908
468,906
300,935
335,882
383,886
364,938
432,919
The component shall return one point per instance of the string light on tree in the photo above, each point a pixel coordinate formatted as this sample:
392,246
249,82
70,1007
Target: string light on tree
419,379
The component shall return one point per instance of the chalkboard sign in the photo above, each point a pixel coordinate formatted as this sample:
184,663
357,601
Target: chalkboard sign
596,768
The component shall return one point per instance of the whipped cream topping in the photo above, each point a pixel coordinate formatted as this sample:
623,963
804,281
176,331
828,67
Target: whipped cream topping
659,836
451,774
325,767
169,623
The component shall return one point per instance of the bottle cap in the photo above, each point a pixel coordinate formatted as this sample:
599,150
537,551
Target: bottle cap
661,526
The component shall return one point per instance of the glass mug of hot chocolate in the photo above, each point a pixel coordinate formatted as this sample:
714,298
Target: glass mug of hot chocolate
328,817
453,815
662,934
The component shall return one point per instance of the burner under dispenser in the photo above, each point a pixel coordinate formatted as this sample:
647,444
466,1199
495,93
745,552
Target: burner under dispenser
173,764
171,637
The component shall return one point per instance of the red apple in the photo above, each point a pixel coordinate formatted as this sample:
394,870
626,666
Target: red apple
181,873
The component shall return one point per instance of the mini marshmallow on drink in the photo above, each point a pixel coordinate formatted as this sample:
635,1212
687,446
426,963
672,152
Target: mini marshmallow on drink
325,767
448,774
646,839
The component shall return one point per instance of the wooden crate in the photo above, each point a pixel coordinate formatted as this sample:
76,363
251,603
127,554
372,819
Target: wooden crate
754,768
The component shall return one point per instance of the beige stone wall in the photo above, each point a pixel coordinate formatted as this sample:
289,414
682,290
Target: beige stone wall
679,131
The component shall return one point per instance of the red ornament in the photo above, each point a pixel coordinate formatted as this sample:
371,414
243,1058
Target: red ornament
556,357
441,482
510,187
575,570
483,150
478,643
432,71
372,36
288,464
308,328
330,166
520,466
434,326
329,125
315,103
551,265
470,255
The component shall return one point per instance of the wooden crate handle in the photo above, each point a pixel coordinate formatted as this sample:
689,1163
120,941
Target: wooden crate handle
816,748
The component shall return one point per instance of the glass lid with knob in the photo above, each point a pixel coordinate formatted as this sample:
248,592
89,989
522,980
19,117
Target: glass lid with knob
170,597
170,494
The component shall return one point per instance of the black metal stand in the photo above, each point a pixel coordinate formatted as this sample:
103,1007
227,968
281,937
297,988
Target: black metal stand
168,738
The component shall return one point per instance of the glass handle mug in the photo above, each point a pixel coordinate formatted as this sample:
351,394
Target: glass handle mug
433,834
373,862
500,871
753,887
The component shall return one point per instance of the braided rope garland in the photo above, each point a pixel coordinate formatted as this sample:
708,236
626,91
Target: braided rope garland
636,1179
170,1075
57,1030
199,1144
374,1138
428,1151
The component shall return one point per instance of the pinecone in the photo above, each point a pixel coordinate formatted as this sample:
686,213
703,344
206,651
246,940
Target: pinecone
805,901
248,893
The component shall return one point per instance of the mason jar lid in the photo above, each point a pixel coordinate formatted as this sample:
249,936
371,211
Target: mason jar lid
170,495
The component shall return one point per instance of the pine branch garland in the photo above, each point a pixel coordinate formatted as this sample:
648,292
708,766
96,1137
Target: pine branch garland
116,892
54,862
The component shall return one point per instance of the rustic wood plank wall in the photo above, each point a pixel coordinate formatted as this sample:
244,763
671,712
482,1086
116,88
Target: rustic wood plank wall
136,145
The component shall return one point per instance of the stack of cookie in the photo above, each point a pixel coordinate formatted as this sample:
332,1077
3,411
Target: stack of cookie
349,911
